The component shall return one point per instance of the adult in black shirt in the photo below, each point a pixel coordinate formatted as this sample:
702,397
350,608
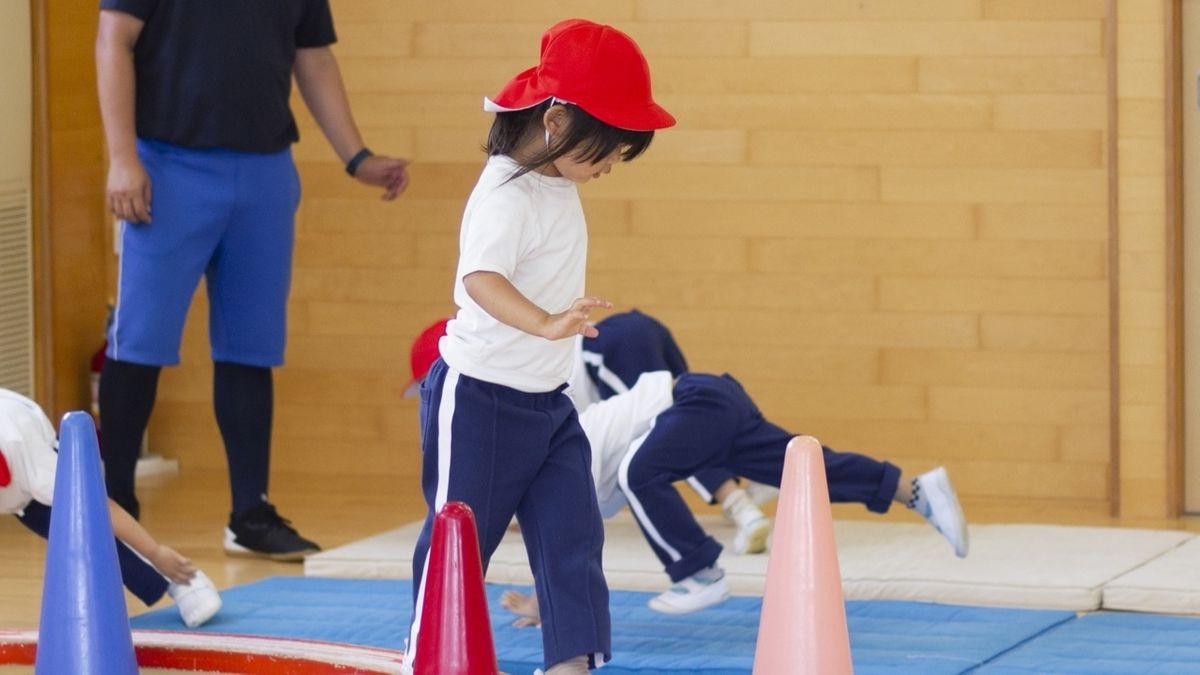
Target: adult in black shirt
194,99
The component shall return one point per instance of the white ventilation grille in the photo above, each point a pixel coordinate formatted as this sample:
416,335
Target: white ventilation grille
16,290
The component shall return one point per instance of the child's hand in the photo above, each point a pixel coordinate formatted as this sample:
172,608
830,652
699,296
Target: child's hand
172,565
574,321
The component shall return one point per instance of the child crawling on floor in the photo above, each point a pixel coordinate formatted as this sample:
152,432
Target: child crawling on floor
28,462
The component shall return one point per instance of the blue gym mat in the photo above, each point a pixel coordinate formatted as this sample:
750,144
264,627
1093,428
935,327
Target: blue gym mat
1108,643
887,637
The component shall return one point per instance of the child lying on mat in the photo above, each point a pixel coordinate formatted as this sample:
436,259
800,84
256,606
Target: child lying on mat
28,463
666,429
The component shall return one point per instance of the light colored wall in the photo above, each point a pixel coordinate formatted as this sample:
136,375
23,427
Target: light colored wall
1190,144
1148,468
15,75
889,220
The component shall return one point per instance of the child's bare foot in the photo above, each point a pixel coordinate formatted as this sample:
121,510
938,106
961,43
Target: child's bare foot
524,606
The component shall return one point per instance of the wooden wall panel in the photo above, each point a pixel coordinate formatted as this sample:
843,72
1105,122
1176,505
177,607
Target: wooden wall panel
72,228
890,220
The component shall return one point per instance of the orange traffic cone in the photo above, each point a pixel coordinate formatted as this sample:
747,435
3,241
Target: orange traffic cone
802,630
455,634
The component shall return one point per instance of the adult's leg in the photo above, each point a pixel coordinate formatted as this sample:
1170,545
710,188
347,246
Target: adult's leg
139,576
127,393
243,400
248,282
160,265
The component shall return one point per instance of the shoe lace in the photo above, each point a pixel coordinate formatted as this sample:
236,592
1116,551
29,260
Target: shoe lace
272,517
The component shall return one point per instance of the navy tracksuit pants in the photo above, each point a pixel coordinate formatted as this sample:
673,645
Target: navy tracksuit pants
629,344
505,452
139,576
715,425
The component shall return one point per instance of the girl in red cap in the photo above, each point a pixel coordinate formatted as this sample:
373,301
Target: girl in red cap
497,431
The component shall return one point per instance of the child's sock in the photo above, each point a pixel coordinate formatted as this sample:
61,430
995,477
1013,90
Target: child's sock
753,528
918,502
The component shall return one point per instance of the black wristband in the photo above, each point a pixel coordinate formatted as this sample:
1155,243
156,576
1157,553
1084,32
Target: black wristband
357,159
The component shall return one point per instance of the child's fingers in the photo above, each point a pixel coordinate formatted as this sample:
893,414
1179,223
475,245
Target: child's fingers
507,598
588,331
591,303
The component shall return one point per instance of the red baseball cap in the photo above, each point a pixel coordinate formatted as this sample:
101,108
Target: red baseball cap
424,353
593,66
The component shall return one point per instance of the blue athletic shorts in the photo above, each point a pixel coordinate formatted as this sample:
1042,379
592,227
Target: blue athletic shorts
227,216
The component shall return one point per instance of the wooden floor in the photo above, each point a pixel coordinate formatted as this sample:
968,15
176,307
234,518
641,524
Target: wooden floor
188,511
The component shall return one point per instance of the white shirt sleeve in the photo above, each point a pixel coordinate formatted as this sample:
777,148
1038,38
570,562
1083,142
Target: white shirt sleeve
613,424
39,467
493,235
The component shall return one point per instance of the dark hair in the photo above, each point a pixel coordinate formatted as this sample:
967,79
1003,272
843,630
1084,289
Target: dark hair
589,139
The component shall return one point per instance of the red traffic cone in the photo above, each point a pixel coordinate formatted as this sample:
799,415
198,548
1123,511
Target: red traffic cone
454,636
802,630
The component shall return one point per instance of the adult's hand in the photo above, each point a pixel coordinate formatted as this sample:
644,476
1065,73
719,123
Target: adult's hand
128,190
390,173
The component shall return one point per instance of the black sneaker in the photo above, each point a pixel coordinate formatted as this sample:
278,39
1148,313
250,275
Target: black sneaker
260,532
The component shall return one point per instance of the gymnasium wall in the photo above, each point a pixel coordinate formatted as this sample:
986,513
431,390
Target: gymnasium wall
72,240
890,220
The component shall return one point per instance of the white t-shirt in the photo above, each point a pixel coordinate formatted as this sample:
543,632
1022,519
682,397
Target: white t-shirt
532,231
613,424
27,440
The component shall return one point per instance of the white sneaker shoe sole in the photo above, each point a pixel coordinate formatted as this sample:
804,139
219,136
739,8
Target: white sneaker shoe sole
945,513
671,602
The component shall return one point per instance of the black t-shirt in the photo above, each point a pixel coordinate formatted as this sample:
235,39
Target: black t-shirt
218,73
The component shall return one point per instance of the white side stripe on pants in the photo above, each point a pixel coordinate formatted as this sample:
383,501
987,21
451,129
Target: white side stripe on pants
636,506
116,323
606,376
445,418
696,485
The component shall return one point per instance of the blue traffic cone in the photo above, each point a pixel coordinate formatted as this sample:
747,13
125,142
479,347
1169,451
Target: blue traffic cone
84,628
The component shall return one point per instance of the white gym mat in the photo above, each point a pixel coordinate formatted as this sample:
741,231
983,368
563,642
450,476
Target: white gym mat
1048,566
1010,565
1169,584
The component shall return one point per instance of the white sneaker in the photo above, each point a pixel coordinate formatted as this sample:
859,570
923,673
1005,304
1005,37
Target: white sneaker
939,505
197,601
753,527
693,593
